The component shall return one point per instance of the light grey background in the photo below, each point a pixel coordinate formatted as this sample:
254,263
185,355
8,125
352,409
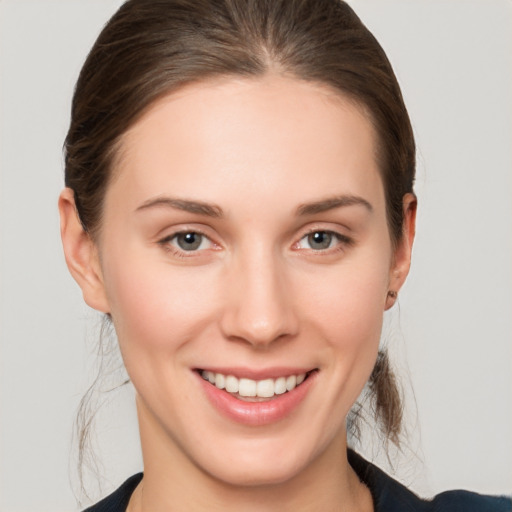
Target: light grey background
451,335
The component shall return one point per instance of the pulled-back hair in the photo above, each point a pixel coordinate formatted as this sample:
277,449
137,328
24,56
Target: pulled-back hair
151,48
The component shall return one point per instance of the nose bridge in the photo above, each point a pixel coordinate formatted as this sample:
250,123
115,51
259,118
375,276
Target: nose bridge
259,309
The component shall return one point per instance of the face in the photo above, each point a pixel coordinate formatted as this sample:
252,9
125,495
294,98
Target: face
244,242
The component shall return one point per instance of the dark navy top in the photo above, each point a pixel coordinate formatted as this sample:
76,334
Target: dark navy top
388,495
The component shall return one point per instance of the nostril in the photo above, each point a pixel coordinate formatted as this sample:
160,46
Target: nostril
258,308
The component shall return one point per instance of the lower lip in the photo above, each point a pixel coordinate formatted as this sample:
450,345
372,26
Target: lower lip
257,413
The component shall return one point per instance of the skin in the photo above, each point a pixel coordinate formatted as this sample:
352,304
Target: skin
255,294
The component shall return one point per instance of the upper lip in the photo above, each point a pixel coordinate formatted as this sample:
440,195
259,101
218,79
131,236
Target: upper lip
257,374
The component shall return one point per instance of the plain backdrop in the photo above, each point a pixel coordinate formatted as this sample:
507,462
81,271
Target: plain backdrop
450,335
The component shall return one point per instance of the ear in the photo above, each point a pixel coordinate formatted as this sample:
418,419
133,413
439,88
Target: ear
81,254
401,262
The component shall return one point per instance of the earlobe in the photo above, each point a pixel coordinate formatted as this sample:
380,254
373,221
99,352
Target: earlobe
81,254
403,250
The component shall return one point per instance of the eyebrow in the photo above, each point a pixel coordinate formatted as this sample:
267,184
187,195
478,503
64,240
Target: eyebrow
332,203
199,207
212,210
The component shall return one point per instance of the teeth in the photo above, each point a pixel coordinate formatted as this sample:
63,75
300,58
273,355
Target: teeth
232,384
280,386
251,388
265,388
247,387
291,382
220,381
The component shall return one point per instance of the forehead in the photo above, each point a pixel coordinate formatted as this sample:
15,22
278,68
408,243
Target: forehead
269,134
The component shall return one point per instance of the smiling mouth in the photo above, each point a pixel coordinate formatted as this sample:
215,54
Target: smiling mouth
250,390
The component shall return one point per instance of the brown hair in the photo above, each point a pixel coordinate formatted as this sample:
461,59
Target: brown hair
152,47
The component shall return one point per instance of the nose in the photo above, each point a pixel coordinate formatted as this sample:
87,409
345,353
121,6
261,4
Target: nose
258,307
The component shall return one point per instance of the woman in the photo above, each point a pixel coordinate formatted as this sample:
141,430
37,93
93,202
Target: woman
239,202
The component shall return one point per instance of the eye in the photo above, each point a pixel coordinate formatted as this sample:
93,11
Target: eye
321,240
188,241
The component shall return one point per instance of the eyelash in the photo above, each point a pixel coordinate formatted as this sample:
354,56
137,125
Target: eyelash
343,242
180,253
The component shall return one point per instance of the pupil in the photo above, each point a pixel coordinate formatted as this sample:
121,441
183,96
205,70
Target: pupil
189,241
320,240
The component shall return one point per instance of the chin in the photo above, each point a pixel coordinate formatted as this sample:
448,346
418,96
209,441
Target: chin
267,462
258,473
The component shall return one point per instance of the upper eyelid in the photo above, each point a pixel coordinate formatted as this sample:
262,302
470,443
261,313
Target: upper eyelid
172,232
333,231
303,233
343,242
336,234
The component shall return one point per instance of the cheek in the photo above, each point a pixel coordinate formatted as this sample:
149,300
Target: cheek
347,311
352,323
349,299
156,308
